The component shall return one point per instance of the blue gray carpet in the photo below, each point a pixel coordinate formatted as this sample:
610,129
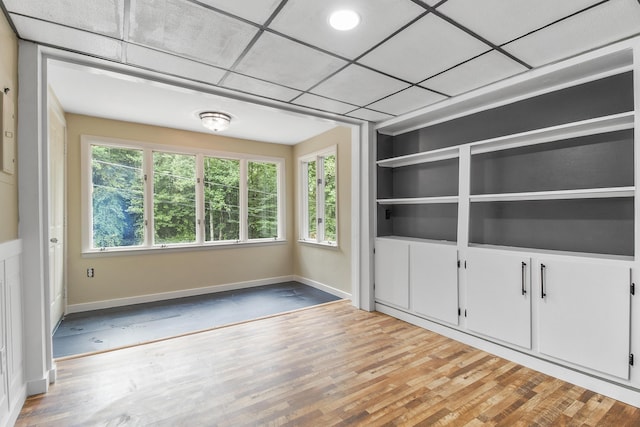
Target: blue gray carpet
106,329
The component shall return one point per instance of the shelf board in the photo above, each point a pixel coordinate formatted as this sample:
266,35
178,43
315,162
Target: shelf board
590,193
418,200
598,125
417,158
552,252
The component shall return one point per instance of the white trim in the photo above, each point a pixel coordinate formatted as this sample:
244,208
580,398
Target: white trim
10,249
587,193
321,286
616,391
418,200
119,302
38,386
421,157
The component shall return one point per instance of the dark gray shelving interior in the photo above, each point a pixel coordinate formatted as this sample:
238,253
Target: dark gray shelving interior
596,161
603,97
600,226
422,180
431,221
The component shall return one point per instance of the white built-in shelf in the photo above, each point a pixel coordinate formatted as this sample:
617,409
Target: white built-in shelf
590,193
552,252
418,200
417,158
595,126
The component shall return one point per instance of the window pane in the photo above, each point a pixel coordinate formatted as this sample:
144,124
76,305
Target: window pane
330,202
117,197
174,198
312,187
221,199
263,200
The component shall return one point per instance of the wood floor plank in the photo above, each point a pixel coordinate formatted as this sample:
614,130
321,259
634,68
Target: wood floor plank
325,366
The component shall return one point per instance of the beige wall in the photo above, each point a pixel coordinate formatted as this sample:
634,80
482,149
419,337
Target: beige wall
9,183
329,266
133,275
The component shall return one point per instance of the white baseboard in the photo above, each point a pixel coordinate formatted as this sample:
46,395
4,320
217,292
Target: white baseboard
38,386
119,302
323,287
615,391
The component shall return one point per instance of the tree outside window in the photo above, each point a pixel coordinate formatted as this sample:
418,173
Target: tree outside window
185,199
319,207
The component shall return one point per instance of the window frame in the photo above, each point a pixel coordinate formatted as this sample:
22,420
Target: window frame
303,204
86,179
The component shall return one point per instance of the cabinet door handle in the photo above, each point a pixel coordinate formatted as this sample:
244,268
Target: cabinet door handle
524,269
542,270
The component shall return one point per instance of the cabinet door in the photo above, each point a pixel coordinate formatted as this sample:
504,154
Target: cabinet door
392,272
585,314
433,281
499,296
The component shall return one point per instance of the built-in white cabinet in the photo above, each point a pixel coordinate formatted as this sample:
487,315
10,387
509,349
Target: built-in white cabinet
584,314
4,396
532,184
499,296
392,272
433,281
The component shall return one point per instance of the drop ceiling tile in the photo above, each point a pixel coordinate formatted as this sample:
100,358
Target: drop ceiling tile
97,16
358,85
604,24
308,21
324,104
369,115
504,20
254,11
67,38
427,47
189,30
171,64
282,61
407,100
485,69
259,87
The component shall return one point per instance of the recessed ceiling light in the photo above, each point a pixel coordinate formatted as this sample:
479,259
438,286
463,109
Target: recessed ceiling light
344,20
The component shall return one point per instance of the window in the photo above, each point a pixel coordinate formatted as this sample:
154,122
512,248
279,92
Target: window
319,203
263,200
140,196
117,197
221,199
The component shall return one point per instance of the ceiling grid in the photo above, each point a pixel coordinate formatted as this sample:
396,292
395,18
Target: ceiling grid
404,55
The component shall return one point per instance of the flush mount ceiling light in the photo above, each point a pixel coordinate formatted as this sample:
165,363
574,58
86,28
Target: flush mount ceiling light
215,121
344,20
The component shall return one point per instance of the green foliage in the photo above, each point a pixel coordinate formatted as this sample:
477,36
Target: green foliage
174,198
263,200
330,202
312,199
222,199
117,197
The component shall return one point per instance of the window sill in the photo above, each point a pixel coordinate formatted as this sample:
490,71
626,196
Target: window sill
313,243
179,248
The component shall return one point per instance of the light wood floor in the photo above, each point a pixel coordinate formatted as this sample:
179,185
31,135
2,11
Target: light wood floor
324,366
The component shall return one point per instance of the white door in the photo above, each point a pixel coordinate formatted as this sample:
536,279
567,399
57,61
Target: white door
433,280
57,136
585,314
499,296
392,272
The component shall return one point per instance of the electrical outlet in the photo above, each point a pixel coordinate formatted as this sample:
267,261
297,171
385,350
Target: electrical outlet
90,272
